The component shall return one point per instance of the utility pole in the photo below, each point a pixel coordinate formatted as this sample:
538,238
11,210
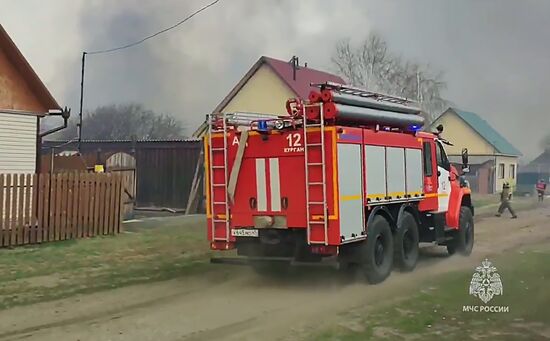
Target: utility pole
81,103
418,94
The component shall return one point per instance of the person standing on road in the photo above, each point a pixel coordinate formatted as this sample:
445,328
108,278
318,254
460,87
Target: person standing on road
541,190
505,197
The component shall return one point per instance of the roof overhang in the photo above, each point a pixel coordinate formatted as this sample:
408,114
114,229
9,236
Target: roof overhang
24,68
23,112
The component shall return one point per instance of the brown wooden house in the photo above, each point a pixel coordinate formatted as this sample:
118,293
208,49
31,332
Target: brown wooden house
24,100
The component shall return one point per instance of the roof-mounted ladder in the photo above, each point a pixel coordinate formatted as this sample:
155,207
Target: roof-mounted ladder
350,90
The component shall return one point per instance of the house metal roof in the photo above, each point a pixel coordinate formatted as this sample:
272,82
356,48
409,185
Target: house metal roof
300,84
487,132
304,76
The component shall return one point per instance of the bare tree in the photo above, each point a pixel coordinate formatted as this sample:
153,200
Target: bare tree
371,65
115,122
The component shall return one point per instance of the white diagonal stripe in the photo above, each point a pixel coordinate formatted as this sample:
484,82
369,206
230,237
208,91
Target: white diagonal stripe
275,184
261,190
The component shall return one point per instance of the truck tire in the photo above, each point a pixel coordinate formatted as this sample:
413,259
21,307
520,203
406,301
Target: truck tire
405,243
377,251
463,240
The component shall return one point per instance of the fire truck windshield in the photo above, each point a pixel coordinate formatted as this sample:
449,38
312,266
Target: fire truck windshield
441,155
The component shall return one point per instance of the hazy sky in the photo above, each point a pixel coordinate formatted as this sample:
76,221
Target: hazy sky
495,53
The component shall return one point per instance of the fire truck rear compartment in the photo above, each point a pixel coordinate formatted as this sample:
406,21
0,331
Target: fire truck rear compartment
268,195
272,184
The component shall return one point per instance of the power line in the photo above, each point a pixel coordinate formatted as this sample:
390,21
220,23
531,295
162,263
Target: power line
155,34
84,53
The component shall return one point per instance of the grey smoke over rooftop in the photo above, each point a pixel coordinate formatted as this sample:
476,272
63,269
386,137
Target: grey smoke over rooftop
494,53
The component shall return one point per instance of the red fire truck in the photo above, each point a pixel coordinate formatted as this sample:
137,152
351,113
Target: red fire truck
347,175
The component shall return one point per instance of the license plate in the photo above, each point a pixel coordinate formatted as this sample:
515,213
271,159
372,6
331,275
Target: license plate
244,233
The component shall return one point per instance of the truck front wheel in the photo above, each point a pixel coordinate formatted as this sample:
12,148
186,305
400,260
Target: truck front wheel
406,243
377,251
463,239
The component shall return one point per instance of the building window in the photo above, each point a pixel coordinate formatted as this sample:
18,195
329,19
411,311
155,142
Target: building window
428,159
512,171
501,171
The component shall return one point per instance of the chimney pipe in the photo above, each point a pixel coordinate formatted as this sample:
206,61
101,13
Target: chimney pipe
295,64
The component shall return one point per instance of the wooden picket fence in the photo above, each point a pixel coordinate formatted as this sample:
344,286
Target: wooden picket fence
38,208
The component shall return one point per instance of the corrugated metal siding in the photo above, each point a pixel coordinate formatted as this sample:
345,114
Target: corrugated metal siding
165,175
165,169
17,143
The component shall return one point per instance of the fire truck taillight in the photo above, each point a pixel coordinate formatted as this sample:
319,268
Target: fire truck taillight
253,203
324,249
284,203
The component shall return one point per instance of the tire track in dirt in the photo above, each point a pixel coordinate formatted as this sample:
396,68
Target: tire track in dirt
244,306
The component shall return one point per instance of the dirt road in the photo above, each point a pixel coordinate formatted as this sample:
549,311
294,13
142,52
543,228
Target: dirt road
242,306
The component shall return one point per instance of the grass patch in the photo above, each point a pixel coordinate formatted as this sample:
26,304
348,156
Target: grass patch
152,250
436,310
482,200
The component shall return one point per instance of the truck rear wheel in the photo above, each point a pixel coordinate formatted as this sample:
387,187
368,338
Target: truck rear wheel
377,252
406,243
463,239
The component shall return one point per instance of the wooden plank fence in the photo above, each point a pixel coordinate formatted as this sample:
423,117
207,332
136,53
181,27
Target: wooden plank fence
38,208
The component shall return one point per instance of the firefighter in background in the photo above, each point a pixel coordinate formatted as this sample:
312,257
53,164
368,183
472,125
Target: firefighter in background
541,189
505,197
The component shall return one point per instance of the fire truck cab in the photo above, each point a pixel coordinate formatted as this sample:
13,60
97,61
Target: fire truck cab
346,175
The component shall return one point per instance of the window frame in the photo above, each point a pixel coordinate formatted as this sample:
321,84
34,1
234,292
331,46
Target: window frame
501,171
428,159
441,157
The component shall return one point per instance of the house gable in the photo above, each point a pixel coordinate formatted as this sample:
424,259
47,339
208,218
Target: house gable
20,87
487,132
462,135
263,92
297,80
15,93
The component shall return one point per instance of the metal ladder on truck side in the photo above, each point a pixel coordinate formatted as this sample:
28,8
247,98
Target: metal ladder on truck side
309,165
218,206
